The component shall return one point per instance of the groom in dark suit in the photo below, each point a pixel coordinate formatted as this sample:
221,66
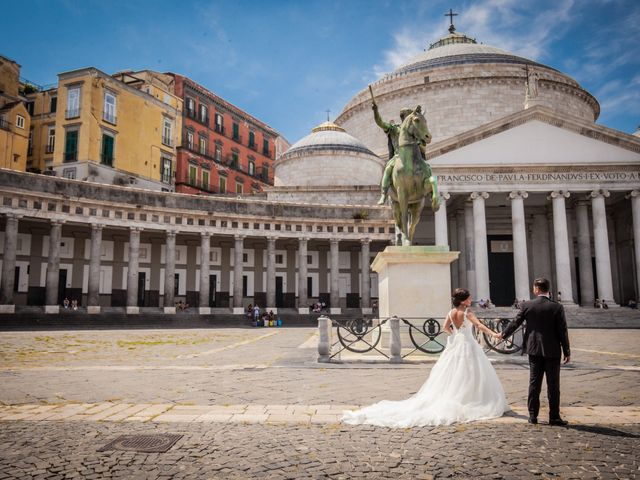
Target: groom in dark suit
545,336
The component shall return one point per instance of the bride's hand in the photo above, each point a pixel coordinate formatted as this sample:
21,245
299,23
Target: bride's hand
496,335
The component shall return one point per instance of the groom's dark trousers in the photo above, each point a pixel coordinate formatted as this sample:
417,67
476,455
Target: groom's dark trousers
545,338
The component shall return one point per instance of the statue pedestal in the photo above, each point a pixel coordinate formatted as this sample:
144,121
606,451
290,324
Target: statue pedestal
414,282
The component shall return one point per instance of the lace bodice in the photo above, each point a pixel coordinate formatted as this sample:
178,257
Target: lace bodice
465,322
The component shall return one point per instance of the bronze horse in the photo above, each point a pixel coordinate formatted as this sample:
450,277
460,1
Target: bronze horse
412,180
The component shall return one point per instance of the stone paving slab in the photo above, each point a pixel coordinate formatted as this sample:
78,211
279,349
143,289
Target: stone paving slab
293,414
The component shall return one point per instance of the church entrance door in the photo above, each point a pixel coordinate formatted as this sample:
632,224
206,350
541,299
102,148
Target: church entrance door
501,275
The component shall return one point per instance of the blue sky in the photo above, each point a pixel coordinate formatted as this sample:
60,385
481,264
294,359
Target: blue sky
287,62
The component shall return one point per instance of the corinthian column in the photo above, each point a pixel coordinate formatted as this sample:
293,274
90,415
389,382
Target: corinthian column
561,242
271,274
132,271
93,291
303,307
170,273
205,258
635,213
238,250
480,245
469,244
601,246
441,220
53,268
9,264
334,295
366,278
520,257
462,263
584,254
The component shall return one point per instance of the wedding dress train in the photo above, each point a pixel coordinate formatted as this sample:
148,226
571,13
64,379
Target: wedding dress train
462,387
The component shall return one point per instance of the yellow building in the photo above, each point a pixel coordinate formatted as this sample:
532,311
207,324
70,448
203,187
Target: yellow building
42,105
109,129
15,121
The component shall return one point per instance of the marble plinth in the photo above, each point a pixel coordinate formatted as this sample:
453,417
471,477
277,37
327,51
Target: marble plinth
414,282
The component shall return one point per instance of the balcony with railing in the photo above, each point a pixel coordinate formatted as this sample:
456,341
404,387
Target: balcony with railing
72,113
109,117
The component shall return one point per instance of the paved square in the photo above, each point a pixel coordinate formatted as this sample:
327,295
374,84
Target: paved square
253,403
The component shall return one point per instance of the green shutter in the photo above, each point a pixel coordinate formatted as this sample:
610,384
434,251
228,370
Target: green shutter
107,149
236,130
71,146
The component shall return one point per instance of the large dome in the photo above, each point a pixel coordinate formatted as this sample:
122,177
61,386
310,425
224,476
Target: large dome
461,85
328,156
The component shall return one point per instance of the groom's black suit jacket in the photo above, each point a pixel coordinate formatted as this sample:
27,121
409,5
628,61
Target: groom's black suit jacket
546,330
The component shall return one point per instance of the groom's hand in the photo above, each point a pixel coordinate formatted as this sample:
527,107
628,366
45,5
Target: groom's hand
567,359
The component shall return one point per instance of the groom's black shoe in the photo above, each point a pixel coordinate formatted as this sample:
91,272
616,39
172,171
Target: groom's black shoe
533,419
558,422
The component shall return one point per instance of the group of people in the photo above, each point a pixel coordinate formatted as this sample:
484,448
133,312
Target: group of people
182,305
262,319
70,304
318,307
482,303
463,385
600,304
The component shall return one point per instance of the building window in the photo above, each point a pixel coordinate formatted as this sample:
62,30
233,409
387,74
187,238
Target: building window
279,259
19,121
165,170
107,149
251,167
219,123
69,173
193,175
265,147
265,173
190,140
51,140
236,131
167,128
30,145
203,145
73,103
218,152
191,107
30,106
71,146
204,114
238,187
252,140
205,179
176,284
109,113
53,104
234,160
223,185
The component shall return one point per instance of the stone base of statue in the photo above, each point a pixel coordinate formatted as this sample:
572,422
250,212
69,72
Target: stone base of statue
414,282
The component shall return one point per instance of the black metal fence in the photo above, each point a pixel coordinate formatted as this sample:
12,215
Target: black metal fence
363,335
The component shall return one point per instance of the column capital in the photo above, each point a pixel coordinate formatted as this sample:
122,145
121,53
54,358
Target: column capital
518,194
205,233
334,241
57,222
239,238
97,226
365,241
632,194
13,216
272,239
171,233
475,195
135,229
558,194
599,193
303,239
444,195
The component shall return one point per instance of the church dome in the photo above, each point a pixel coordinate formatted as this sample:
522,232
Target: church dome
328,156
462,84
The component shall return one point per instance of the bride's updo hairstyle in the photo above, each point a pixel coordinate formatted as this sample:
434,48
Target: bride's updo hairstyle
459,295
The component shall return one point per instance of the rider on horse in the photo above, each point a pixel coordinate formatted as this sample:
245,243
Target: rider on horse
393,131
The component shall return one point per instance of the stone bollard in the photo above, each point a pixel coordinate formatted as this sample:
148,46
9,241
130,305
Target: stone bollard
395,344
324,342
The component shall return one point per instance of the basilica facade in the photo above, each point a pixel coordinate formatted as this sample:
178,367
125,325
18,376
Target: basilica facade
530,186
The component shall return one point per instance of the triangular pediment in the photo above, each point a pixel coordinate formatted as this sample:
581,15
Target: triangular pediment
536,136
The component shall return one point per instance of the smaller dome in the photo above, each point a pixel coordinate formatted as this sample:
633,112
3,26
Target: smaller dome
328,136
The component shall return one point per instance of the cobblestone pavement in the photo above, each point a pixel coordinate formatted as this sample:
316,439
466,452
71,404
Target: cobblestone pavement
253,403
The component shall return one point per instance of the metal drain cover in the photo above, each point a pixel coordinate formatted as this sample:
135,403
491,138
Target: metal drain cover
153,443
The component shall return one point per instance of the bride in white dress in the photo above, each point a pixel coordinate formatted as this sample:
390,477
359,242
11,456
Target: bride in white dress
462,386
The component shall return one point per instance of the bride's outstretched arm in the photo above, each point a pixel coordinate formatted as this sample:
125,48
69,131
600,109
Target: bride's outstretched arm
479,325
